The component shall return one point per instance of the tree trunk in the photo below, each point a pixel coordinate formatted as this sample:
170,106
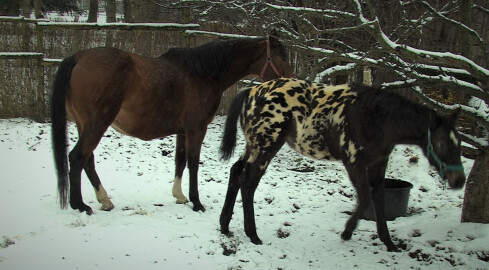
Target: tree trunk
37,9
10,8
476,199
110,9
128,11
465,18
93,11
26,8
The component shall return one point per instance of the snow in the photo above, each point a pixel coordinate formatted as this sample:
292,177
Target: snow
312,10
148,230
128,25
20,54
334,69
223,35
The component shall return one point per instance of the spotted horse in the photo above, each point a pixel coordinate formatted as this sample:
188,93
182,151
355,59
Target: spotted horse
355,124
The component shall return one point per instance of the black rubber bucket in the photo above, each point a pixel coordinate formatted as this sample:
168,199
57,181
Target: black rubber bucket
396,200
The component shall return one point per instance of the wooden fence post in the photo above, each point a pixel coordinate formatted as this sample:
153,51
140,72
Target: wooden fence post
41,93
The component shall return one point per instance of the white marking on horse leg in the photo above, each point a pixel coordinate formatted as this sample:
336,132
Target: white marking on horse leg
103,198
177,191
264,166
342,139
453,138
352,152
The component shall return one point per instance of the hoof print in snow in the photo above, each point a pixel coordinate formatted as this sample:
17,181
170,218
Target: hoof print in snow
6,242
282,233
229,245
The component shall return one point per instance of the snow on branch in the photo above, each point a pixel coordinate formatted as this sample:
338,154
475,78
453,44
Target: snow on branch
481,8
352,57
313,10
458,24
334,70
405,51
219,35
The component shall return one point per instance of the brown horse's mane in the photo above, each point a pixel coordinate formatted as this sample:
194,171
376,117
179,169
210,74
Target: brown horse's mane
209,60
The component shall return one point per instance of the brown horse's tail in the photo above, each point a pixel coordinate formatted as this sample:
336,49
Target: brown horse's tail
228,142
59,127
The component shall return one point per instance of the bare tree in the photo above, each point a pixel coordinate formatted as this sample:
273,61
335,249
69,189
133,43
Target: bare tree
26,8
37,9
128,11
110,9
9,8
93,11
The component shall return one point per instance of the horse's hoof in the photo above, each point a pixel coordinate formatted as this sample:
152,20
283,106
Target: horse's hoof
392,248
346,235
107,207
256,240
182,200
82,208
198,207
225,231
86,209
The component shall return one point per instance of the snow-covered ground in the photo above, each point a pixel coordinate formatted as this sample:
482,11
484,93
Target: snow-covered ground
299,215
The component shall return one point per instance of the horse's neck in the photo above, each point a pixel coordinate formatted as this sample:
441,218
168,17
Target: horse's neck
409,126
241,66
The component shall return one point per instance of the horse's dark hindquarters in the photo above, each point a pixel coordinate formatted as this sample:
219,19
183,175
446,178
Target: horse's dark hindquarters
354,124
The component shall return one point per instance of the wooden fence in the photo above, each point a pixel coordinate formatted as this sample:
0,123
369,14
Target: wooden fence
30,51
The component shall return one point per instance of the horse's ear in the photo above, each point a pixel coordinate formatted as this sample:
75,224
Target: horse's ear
456,113
273,37
433,118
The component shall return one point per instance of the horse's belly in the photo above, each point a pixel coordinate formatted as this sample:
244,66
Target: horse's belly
141,127
311,144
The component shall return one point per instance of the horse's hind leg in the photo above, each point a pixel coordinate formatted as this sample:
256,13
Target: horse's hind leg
232,193
79,157
378,198
100,192
377,174
253,172
77,161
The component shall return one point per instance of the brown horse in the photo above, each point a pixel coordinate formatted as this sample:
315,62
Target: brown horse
147,98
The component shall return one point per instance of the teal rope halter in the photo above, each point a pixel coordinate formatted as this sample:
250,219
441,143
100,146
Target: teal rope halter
442,165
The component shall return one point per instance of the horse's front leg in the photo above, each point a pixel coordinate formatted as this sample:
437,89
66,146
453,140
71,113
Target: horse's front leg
180,163
194,144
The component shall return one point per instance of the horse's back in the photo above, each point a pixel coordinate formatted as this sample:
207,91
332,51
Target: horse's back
309,116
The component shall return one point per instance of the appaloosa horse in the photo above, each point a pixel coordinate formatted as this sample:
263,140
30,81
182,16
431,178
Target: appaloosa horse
354,124
147,98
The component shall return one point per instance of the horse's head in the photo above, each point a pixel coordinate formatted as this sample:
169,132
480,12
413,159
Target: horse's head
274,61
443,149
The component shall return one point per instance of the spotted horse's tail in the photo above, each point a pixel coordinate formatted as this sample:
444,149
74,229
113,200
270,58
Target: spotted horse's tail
228,142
